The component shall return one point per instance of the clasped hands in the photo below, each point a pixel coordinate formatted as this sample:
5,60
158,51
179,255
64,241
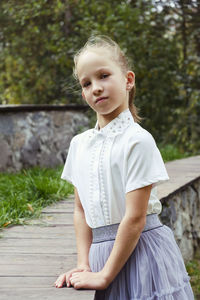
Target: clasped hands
82,278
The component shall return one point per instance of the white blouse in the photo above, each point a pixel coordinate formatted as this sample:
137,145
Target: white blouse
106,164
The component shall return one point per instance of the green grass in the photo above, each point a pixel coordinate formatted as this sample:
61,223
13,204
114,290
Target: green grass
171,152
193,268
24,194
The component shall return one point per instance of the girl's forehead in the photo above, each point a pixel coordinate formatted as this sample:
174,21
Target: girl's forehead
92,60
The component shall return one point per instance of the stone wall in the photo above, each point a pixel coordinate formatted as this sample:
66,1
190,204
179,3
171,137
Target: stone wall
181,212
37,135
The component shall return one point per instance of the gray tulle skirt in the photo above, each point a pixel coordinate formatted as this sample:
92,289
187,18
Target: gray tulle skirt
154,271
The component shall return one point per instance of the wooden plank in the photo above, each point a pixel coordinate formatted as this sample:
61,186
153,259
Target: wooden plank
181,172
38,243
45,294
59,208
36,250
9,282
41,260
65,203
40,231
53,219
32,269
41,234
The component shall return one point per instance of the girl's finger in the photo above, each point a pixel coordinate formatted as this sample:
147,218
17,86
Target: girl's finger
75,275
60,281
73,279
68,278
68,282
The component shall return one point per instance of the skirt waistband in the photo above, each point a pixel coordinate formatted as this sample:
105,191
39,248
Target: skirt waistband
108,232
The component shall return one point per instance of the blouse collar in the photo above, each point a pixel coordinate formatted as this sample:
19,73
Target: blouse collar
117,125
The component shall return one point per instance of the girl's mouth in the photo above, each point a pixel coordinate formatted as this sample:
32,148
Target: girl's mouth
101,99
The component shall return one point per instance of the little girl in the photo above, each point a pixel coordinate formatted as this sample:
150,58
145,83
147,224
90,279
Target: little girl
124,251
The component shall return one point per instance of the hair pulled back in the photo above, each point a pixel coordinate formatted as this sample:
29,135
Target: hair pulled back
104,42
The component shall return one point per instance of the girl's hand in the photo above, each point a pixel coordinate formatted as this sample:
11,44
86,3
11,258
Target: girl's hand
89,280
64,279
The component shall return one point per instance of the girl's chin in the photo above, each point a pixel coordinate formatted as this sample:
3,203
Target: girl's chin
106,112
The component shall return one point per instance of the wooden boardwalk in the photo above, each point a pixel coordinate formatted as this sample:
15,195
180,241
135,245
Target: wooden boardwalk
32,256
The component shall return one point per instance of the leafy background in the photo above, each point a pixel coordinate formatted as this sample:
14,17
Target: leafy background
162,38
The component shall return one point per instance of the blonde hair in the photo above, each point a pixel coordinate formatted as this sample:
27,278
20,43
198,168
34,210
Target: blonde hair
102,41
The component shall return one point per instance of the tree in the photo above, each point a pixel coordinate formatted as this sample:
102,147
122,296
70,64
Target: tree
185,18
38,40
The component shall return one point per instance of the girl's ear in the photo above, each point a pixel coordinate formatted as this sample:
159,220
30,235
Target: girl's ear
130,77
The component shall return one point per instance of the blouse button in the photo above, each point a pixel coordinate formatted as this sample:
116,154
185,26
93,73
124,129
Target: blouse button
106,210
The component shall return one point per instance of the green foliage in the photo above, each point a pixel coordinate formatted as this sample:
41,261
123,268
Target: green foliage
193,268
38,40
171,152
24,194
34,58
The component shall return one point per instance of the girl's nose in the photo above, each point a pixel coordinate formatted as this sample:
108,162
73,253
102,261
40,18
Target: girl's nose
97,88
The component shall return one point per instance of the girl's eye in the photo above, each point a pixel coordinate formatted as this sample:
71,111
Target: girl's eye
86,84
104,75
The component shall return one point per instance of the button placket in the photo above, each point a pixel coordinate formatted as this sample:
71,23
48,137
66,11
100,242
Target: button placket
102,168
92,185
95,182
101,144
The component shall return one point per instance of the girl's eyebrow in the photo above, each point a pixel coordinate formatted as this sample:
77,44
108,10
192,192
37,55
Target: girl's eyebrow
96,72
102,69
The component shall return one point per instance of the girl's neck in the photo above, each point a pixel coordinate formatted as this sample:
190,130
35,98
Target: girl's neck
103,120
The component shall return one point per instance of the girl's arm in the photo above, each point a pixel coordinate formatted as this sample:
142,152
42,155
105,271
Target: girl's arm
129,232
83,233
83,242
127,237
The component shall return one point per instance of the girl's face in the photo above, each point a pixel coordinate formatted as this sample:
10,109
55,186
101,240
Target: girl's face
104,86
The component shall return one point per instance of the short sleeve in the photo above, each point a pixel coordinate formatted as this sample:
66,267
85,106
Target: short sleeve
68,171
144,164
